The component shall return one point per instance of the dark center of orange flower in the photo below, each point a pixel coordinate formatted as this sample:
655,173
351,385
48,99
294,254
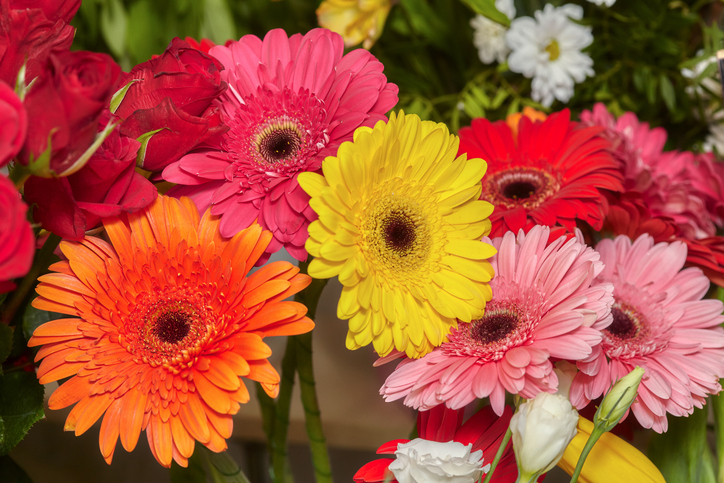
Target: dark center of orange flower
526,187
172,327
494,326
626,323
399,232
279,144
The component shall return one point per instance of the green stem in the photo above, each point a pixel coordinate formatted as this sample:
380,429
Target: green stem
40,264
498,455
268,413
305,368
717,402
18,175
281,415
592,439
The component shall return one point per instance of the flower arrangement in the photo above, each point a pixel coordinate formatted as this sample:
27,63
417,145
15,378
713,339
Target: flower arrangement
521,204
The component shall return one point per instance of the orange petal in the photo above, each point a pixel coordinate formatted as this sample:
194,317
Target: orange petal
194,418
209,230
222,423
211,394
223,376
181,438
65,370
262,371
93,411
272,390
272,313
110,428
160,441
41,303
120,237
69,393
179,458
251,347
237,363
72,419
269,271
298,283
216,443
134,406
301,326
66,282
63,267
59,327
265,291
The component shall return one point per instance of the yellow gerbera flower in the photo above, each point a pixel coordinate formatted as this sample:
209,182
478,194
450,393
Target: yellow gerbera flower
400,223
357,21
612,460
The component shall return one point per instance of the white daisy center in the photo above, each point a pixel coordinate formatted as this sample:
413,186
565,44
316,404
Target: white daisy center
554,50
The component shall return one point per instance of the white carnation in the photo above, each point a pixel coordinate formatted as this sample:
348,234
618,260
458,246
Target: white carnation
423,461
489,36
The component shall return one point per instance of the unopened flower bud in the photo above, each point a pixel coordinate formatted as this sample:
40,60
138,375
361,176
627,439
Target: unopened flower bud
619,399
542,428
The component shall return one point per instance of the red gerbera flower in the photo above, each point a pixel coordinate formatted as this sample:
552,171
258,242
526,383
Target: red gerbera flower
552,173
485,430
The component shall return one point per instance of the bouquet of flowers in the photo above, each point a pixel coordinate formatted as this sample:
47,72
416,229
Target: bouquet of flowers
523,205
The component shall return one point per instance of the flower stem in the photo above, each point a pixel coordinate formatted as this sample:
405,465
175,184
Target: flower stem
498,455
40,264
592,439
281,414
717,403
305,368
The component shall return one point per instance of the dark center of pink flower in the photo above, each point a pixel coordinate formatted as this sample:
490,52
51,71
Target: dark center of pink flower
622,326
527,187
279,144
399,231
494,327
172,327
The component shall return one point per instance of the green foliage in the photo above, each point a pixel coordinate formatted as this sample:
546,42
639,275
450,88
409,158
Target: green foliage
487,9
21,405
6,343
10,472
205,465
682,453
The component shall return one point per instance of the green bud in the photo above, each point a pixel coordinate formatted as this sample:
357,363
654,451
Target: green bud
619,399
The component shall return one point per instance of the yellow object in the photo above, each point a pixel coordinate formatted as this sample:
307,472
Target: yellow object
513,119
400,223
612,460
357,21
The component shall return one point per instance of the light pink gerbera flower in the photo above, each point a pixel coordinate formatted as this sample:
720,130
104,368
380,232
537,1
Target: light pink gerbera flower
291,102
660,323
543,307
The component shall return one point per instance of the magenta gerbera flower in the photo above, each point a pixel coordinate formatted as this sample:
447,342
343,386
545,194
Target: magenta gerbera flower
291,102
544,306
660,323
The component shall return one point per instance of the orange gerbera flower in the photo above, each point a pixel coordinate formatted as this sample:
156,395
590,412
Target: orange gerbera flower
169,322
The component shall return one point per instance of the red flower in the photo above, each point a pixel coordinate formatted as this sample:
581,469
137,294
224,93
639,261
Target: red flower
30,31
173,93
552,173
13,124
17,244
106,186
484,430
65,104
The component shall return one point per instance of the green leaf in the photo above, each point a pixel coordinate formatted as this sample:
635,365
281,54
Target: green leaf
513,107
472,109
217,23
487,8
500,96
222,467
194,473
667,92
144,139
10,472
682,453
34,318
114,24
21,405
6,342
120,95
142,31
481,97
426,22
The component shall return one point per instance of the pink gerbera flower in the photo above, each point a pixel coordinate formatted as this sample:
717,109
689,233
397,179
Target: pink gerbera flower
544,306
660,323
681,186
291,102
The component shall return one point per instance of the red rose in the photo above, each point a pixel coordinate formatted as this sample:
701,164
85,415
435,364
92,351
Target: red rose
17,244
30,31
13,124
65,103
106,186
173,92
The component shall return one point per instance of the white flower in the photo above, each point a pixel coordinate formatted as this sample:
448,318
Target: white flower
715,138
548,49
608,3
489,36
542,428
423,461
710,82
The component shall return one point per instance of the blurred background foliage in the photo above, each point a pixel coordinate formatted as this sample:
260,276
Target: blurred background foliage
638,51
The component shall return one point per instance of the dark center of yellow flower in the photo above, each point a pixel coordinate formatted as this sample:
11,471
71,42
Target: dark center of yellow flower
626,323
526,187
172,327
399,232
554,50
495,325
279,143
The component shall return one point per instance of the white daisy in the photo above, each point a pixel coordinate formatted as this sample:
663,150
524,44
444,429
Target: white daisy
607,3
489,36
548,49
